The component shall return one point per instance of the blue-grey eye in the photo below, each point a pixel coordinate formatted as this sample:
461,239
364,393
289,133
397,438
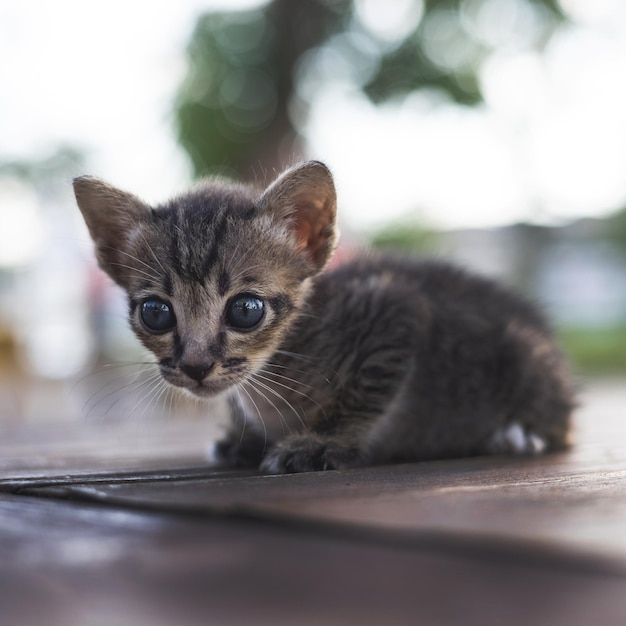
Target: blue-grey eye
157,316
244,312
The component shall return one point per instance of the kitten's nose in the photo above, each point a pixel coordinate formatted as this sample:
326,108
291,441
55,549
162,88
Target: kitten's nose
197,371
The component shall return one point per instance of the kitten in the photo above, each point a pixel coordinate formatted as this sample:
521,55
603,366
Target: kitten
380,360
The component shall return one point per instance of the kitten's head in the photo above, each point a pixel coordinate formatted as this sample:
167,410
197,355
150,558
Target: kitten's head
214,277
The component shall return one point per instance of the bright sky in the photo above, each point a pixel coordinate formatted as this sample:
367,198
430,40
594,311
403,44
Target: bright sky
549,143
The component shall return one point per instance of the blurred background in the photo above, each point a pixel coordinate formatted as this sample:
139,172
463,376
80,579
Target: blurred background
492,132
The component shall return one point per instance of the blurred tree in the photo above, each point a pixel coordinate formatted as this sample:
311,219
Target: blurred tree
405,237
252,73
616,230
233,107
445,49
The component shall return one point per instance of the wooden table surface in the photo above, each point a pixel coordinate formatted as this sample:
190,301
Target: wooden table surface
128,526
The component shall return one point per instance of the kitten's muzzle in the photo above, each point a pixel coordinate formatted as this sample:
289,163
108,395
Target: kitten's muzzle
197,372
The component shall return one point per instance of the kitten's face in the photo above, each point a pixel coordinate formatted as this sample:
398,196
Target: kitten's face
214,278
213,309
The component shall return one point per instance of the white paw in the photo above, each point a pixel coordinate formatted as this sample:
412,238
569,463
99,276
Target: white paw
535,444
513,439
210,453
271,465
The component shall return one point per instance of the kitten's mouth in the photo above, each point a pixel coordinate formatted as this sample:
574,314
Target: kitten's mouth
206,390
201,389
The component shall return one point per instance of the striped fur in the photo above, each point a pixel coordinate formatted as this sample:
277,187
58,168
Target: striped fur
381,360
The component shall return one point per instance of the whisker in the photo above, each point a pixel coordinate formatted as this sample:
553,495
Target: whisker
156,391
296,355
240,411
106,367
161,396
283,385
246,268
309,315
135,258
169,399
234,252
115,381
308,372
138,271
303,357
243,388
274,392
260,364
254,382
132,387
141,384
287,378
156,258
151,386
300,393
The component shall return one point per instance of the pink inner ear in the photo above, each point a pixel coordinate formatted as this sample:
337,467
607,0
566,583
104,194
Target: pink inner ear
304,198
303,235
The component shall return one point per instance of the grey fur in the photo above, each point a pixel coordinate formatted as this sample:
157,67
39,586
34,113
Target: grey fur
381,360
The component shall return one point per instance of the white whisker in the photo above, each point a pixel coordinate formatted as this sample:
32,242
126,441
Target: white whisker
254,382
156,391
115,381
244,270
241,410
283,377
150,387
162,393
300,393
296,355
134,258
303,357
132,387
107,367
243,388
156,258
137,271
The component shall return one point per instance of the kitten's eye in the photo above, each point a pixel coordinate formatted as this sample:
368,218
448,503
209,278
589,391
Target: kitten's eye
157,316
244,312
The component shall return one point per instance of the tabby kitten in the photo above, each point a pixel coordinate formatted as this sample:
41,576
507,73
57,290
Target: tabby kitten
380,360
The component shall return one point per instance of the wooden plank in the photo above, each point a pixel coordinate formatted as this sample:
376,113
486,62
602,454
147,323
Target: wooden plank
574,501
65,564
551,501
86,448
151,536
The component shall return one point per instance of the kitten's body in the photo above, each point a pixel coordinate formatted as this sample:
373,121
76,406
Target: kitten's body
380,360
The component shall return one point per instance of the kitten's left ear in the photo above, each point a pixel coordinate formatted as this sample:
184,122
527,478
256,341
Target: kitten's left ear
113,218
304,196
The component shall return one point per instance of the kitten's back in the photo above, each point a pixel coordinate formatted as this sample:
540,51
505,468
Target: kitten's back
466,358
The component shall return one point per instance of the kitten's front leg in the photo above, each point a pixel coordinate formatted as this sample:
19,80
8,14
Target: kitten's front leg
310,453
344,437
235,450
243,445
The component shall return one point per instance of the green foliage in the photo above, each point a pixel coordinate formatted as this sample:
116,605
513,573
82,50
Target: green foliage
233,107
405,238
616,230
253,73
596,351
449,44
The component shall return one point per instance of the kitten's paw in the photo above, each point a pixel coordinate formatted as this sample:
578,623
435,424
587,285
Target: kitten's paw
233,451
514,439
308,454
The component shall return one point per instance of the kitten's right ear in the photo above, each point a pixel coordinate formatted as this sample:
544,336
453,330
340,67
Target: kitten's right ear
304,198
113,217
